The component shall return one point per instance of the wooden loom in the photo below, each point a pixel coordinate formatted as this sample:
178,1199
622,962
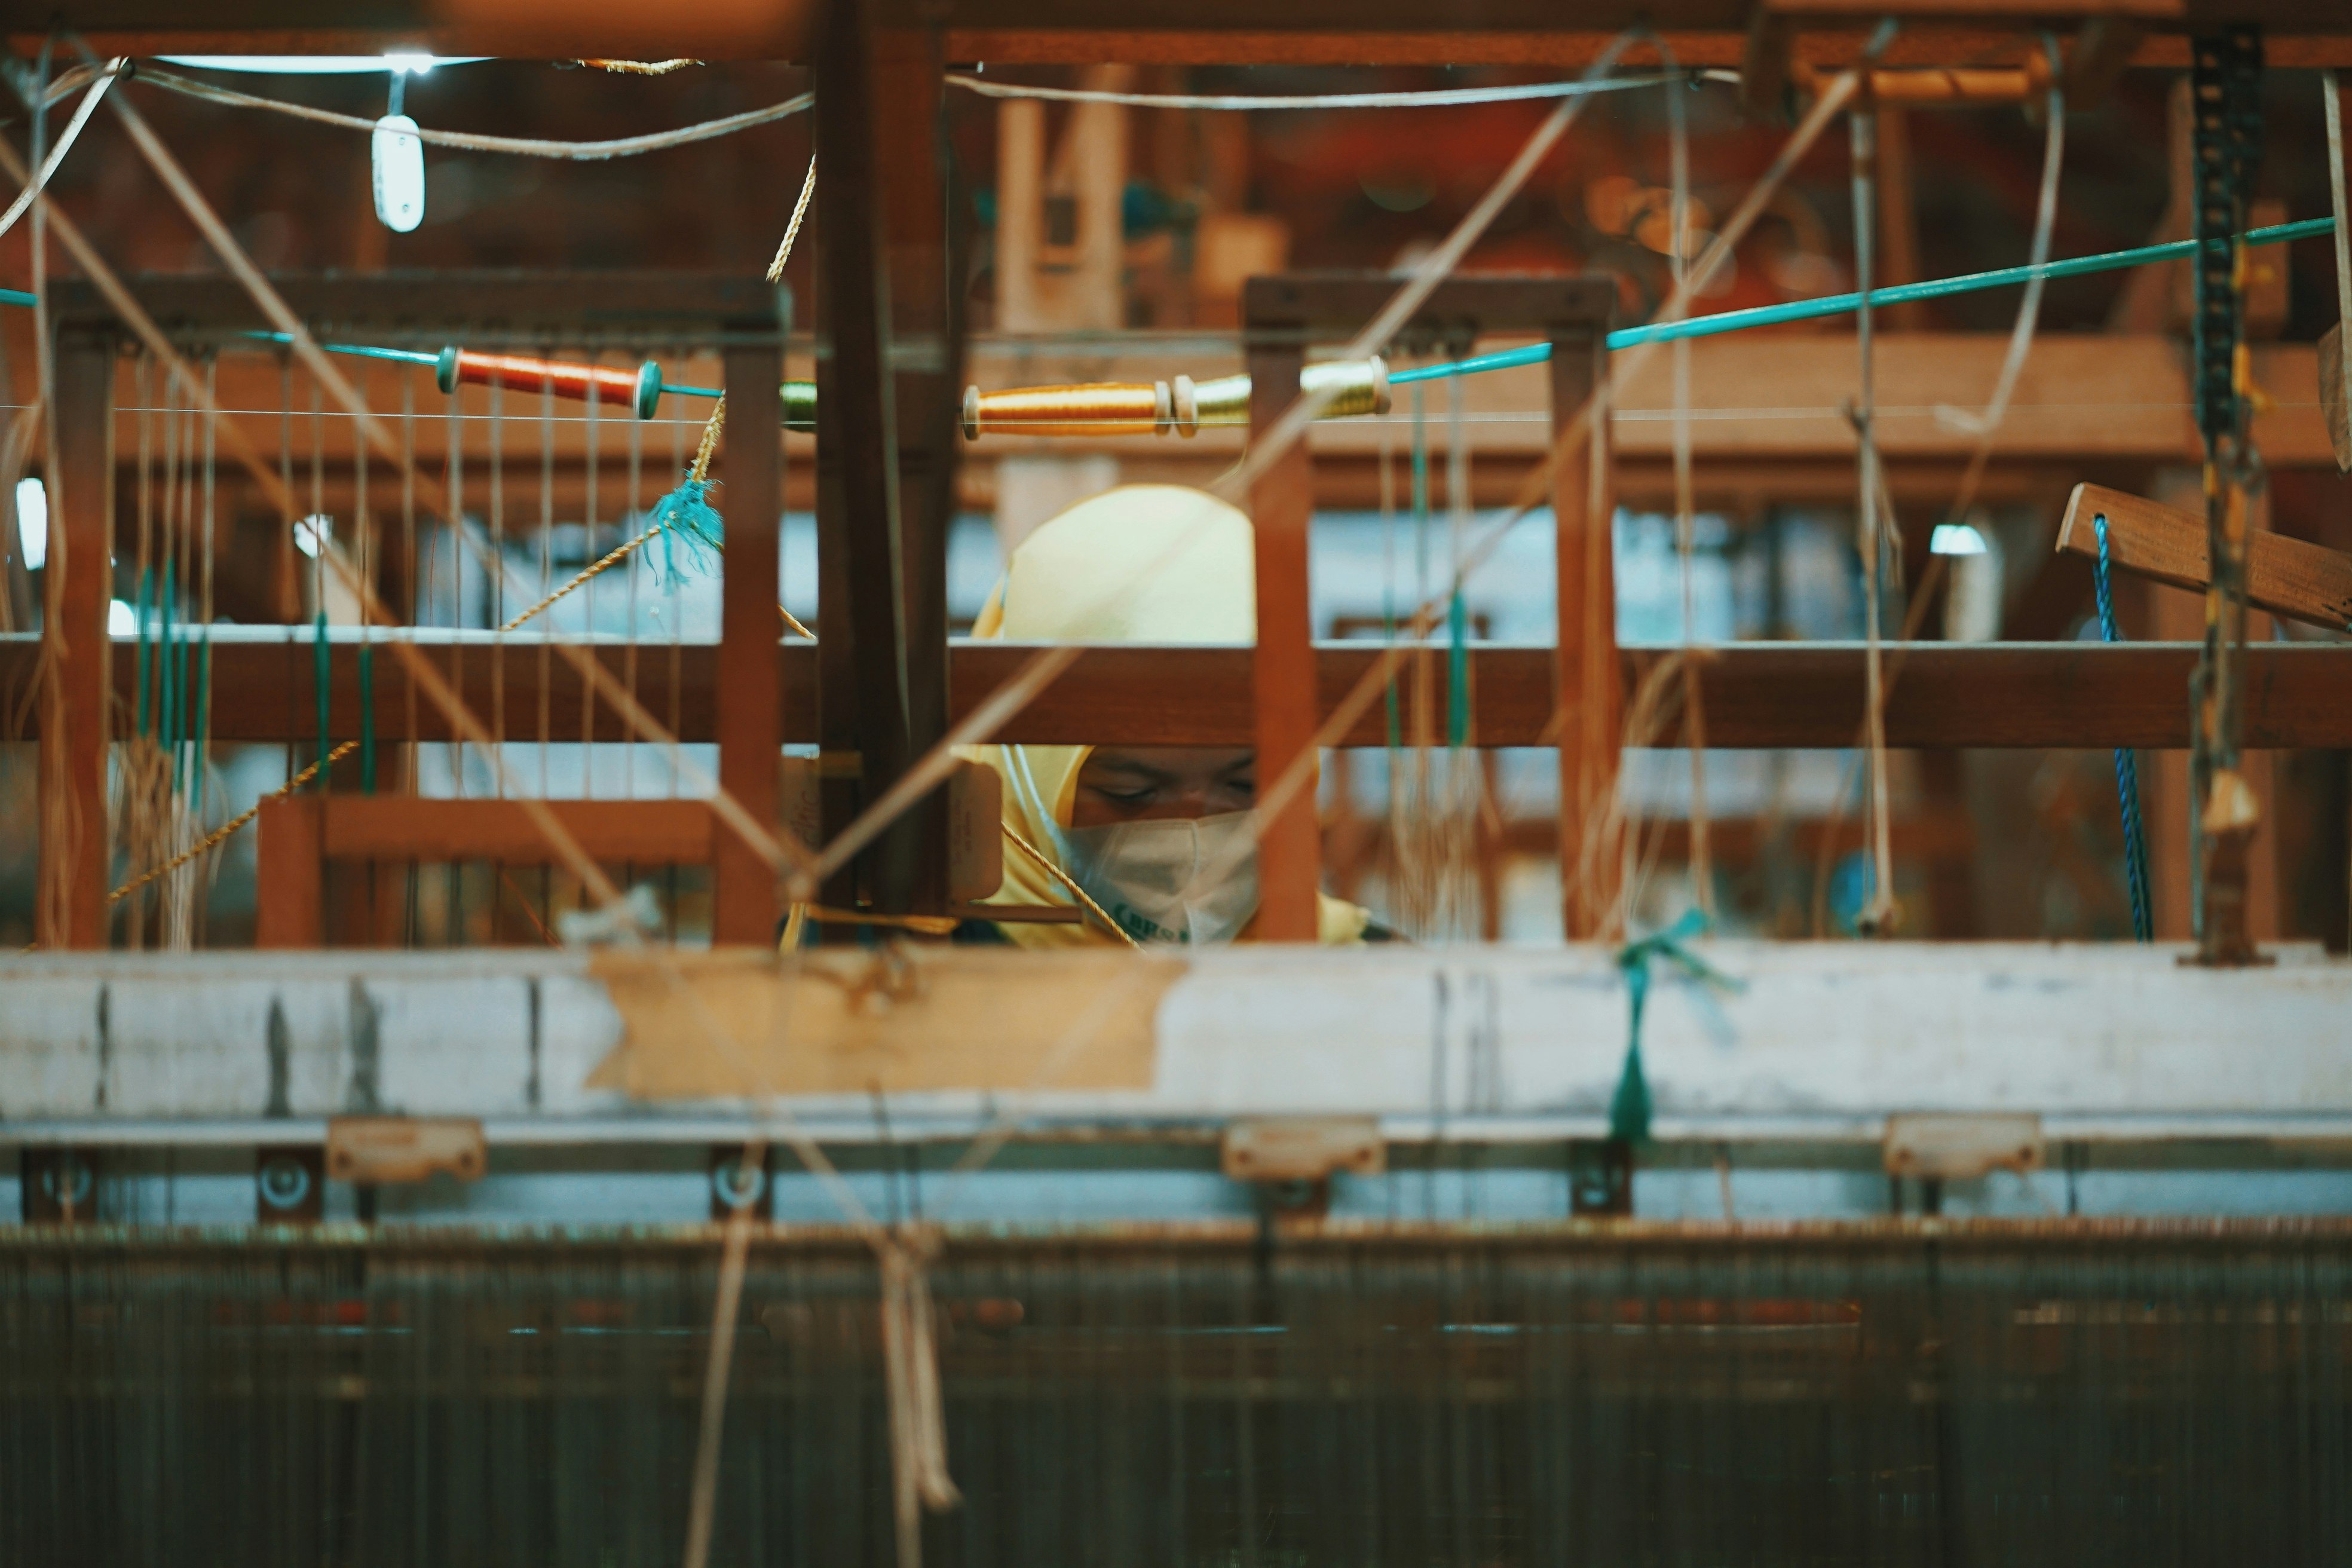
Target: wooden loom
1579,1388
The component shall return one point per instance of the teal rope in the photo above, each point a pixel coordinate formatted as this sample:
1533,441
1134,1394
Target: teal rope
2126,764
1839,304
1630,1107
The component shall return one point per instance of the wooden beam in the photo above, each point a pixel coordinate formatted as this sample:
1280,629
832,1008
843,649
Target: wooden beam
749,705
1276,315
2066,695
2286,576
70,910
1588,691
289,883
408,827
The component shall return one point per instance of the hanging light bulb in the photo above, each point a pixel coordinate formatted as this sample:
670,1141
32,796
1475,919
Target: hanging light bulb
399,159
397,154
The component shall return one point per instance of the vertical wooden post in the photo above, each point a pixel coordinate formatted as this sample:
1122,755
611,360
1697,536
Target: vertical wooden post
744,907
1590,697
70,912
1282,507
864,690
290,882
924,273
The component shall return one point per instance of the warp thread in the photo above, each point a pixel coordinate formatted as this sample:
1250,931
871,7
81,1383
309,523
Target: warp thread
2126,763
1630,1106
919,1440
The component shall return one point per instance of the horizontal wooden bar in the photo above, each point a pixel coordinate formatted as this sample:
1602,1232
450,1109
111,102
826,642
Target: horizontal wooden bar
2291,577
403,827
1758,695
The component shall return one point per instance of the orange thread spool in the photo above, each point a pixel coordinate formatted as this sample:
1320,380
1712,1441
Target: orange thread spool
638,390
1108,408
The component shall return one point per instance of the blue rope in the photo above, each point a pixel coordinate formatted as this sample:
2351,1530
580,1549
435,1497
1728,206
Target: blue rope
2127,765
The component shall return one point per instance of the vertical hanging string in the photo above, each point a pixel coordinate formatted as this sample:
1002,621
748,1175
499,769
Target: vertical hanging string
546,572
2337,201
1878,916
497,585
454,525
588,602
208,546
1388,581
183,655
637,445
1701,858
167,731
1462,805
365,525
143,384
321,659
2127,765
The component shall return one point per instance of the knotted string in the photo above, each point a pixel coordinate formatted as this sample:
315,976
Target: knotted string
910,1364
2126,763
1629,1107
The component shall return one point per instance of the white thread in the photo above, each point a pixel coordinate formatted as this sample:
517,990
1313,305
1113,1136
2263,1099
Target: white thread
1438,98
87,107
522,146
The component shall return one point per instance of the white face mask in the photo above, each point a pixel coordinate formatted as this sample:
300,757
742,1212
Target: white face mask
1184,880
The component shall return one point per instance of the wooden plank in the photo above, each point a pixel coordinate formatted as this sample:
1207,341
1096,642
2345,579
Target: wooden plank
2284,575
70,910
1817,1039
1282,667
2030,695
407,828
289,874
1588,693
927,297
748,706
858,428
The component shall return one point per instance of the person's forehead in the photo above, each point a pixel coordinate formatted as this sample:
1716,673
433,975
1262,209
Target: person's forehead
1170,760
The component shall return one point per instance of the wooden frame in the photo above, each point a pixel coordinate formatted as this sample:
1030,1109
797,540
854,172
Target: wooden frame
1758,695
748,319
1280,316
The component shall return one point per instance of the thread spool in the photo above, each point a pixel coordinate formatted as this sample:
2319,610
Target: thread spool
1108,408
638,391
1359,387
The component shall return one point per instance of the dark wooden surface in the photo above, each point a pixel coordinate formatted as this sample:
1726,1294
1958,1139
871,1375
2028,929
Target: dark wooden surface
2085,695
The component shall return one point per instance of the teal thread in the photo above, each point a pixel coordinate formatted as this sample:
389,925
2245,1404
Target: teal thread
1630,1107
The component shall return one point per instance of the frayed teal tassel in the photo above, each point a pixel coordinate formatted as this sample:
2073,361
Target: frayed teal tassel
1630,1107
691,529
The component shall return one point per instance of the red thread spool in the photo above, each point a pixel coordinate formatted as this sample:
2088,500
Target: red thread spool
638,390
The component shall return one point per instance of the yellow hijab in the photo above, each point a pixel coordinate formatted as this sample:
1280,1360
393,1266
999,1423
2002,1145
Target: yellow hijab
1140,564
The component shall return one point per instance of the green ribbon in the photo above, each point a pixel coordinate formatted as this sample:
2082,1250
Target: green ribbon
1629,1107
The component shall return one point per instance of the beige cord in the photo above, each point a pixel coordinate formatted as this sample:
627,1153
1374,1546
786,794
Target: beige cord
227,830
1067,882
587,152
793,229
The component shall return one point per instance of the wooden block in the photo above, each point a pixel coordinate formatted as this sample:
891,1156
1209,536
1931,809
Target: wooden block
2335,400
2288,577
289,875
